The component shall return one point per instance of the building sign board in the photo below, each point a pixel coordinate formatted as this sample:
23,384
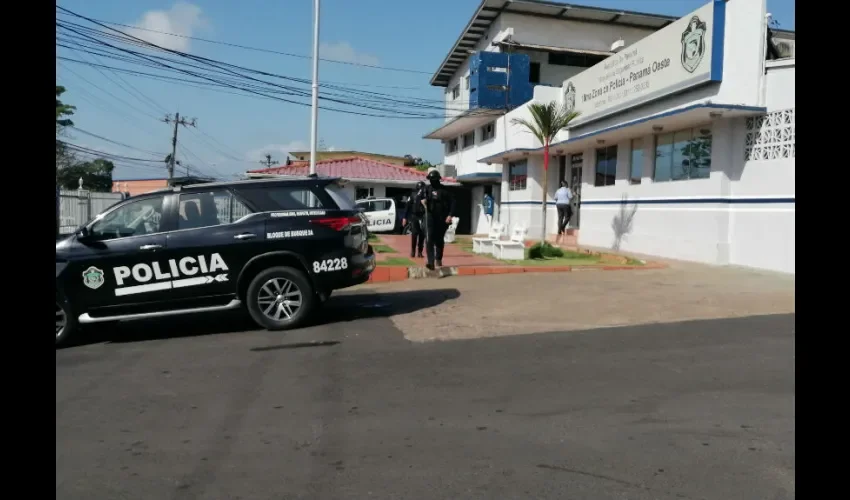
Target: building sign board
686,53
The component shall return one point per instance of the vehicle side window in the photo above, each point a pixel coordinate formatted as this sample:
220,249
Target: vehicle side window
136,218
365,205
382,205
209,208
282,198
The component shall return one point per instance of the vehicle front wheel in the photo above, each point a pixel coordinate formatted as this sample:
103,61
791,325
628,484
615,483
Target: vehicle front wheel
280,298
66,322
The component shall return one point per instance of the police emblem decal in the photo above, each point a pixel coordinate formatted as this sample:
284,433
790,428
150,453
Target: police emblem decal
570,98
693,44
93,278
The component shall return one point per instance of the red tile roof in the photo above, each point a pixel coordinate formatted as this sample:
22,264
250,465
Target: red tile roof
351,168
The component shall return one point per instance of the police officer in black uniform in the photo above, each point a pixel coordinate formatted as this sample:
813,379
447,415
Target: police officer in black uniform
413,215
440,208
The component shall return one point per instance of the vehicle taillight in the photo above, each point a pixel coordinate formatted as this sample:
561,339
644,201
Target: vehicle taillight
337,223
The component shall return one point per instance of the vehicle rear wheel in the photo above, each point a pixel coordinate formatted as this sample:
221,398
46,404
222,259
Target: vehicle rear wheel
66,322
280,298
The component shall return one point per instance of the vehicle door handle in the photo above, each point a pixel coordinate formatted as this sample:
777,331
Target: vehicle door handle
245,236
150,247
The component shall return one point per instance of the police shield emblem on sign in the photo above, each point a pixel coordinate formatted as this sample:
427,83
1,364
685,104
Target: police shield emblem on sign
93,278
570,97
693,44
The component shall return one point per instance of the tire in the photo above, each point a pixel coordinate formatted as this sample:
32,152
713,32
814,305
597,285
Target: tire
66,322
266,308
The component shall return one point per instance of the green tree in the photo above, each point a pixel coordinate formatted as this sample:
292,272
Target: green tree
63,112
546,121
96,175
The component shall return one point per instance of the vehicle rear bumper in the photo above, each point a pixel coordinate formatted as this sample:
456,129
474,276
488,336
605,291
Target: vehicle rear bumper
359,271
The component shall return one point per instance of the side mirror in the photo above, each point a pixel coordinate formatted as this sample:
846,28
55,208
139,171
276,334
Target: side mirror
83,233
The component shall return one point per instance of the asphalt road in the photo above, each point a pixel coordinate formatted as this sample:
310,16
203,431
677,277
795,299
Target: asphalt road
349,409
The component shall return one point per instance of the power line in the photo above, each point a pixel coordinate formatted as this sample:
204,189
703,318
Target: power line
220,66
258,49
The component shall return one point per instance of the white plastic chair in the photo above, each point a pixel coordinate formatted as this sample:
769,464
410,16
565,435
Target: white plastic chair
485,245
514,248
450,232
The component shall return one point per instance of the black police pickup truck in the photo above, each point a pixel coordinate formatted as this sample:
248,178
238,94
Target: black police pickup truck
276,247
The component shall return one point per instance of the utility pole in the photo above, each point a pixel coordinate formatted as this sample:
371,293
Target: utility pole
314,126
268,163
177,120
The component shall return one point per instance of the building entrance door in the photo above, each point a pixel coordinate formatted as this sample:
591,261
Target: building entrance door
576,163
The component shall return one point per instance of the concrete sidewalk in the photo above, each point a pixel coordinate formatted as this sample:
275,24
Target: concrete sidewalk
498,305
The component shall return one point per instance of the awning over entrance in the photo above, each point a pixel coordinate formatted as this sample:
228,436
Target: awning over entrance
675,119
468,120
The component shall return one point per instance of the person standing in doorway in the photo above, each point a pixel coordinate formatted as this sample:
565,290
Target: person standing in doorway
488,205
439,209
414,213
565,211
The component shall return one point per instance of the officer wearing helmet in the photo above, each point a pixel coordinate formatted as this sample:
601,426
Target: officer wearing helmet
413,215
439,209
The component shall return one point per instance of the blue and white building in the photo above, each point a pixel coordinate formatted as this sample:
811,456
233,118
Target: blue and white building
684,147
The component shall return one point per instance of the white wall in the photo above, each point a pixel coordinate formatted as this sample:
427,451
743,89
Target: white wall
755,229
572,34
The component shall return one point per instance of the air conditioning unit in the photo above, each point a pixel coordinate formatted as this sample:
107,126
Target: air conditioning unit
618,45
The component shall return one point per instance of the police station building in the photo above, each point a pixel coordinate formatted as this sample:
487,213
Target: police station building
684,146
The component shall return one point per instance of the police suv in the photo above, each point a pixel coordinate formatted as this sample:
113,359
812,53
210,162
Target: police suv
275,247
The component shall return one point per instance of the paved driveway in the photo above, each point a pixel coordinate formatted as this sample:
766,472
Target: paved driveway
350,408
516,304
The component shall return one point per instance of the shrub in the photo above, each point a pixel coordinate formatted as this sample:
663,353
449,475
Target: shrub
543,251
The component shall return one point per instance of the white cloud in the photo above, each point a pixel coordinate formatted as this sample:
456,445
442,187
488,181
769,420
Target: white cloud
278,151
182,19
343,51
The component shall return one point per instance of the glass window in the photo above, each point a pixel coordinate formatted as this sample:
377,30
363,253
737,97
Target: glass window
282,197
606,166
133,219
534,73
456,92
339,196
636,164
468,139
451,146
210,208
488,131
381,205
663,157
361,193
517,175
684,154
699,152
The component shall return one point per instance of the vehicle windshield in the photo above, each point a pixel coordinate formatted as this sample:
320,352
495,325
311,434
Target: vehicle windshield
340,197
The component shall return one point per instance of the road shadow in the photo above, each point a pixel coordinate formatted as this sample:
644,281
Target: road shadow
345,307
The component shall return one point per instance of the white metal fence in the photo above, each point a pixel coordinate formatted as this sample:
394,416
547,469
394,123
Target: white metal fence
77,207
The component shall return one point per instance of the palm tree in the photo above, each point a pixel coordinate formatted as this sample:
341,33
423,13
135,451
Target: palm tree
546,121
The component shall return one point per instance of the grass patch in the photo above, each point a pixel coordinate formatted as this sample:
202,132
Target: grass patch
397,261
633,262
372,237
383,249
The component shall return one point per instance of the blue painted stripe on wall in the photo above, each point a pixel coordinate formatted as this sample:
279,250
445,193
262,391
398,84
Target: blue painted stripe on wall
717,40
675,201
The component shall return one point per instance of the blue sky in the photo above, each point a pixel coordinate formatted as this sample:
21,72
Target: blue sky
233,132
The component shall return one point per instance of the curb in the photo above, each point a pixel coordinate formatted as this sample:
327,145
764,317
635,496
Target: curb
399,273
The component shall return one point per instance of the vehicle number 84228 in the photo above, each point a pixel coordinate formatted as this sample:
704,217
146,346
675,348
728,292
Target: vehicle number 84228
322,266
